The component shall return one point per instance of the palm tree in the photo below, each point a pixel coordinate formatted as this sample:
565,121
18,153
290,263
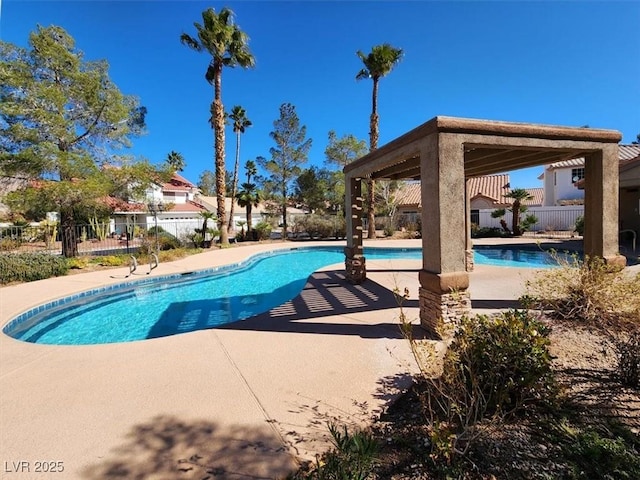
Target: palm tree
248,197
206,216
228,47
240,123
518,195
250,169
176,161
377,64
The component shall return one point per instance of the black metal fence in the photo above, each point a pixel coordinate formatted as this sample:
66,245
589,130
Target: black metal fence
91,239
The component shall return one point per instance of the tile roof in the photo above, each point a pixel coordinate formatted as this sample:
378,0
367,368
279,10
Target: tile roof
178,184
410,194
491,186
494,187
625,154
538,197
628,152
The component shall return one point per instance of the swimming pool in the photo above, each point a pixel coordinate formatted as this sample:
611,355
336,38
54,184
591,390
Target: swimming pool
169,305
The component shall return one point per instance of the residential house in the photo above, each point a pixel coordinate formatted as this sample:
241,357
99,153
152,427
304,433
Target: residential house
486,193
176,209
564,184
562,180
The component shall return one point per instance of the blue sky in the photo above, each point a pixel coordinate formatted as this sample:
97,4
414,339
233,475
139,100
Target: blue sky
568,63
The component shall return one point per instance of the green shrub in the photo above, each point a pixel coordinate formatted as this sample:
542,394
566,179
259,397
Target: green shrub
352,458
263,230
78,263
502,360
112,260
595,456
27,267
487,232
494,367
579,225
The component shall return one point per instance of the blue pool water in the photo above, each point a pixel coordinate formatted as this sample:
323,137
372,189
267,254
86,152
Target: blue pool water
162,306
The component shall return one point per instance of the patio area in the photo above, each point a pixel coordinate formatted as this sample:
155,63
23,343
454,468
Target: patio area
243,401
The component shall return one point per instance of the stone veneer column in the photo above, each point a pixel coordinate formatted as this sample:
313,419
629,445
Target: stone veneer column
355,262
601,205
444,281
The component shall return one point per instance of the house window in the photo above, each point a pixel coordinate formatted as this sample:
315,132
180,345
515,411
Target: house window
577,174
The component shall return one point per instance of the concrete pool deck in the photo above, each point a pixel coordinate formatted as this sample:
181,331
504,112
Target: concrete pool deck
243,401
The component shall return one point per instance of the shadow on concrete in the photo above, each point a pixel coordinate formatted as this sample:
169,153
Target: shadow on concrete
168,448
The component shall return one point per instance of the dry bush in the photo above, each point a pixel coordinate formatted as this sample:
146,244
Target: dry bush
587,290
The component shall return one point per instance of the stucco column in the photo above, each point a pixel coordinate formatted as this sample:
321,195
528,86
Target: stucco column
355,264
601,205
444,281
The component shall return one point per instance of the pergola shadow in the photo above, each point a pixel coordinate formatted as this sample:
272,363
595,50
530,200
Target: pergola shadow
328,294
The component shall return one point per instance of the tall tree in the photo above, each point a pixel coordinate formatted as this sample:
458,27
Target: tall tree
377,64
311,189
292,148
240,123
228,46
344,150
207,183
175,161
340,152
62,120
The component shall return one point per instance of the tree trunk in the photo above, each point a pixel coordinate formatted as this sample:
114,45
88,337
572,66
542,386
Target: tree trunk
373,145
218,122
284,220
249,220
68,233
515,220
234,185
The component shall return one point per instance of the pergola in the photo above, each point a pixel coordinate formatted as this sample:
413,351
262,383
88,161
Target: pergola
443,153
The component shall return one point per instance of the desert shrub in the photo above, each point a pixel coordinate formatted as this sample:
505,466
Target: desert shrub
321,226
388,231
27,267
495,367
628,358
579,225
8,244
353,457
166,241
588,290
263,230
502,360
